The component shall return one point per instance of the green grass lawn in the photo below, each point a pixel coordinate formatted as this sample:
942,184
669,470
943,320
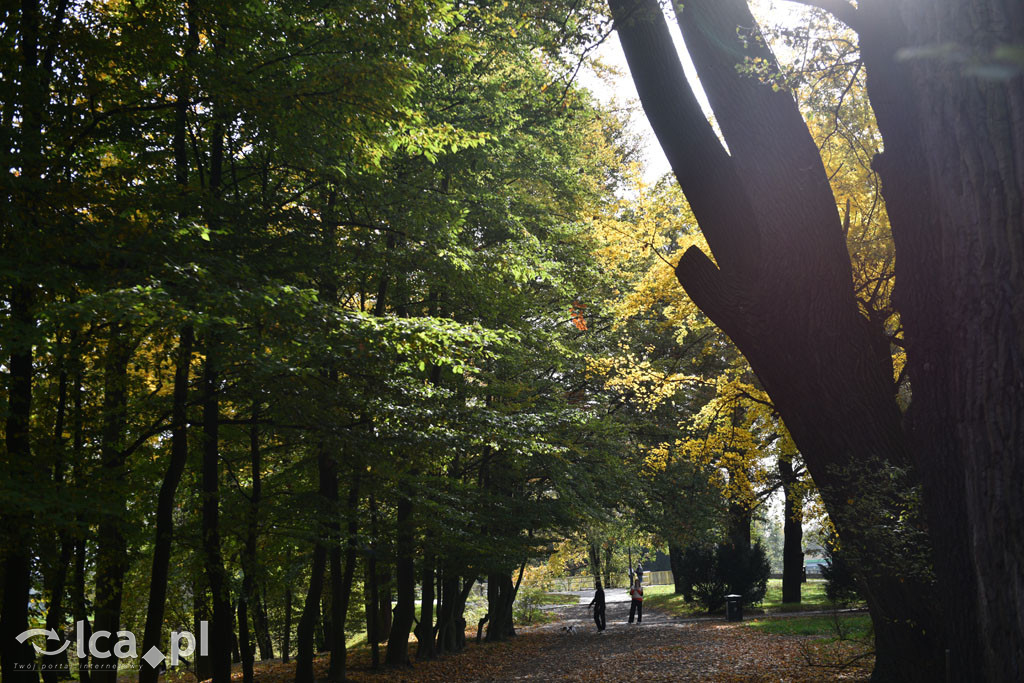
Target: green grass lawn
812,596
558,599
857,626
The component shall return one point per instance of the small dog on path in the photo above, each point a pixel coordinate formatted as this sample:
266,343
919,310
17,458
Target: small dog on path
569,630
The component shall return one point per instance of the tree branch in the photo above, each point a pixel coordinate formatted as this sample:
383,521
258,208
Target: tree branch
841,10
706,173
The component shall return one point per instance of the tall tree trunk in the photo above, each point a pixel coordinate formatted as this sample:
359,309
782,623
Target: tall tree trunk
792,534
262,626
675,556
446,613
405,583
78,605
378,597
328,493
200,613
286,637
249,598
501,593
236,652
78,608
310,615
57,576
781,288
740,516
246,649
608,552
18,659
425,629
342,591
594,554
111,546
221,631
153,634
952,175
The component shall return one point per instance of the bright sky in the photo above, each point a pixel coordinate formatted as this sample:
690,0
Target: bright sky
622,92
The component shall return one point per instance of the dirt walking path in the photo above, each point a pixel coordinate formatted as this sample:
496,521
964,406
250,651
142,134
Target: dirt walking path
662,648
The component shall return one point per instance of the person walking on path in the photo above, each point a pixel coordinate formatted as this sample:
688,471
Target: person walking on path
639,572
598,604
636,602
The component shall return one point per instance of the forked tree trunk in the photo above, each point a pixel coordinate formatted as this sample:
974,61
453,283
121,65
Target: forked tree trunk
405,583
781,288
425,629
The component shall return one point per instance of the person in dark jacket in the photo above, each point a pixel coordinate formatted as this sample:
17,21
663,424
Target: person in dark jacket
598,604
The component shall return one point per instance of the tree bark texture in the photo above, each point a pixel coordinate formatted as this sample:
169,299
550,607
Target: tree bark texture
221,630
781,288
952,175
342,579
792,534
111,545
153,634
425,629
405,584
328,494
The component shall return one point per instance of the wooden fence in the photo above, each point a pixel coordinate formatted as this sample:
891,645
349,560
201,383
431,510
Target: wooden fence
585,582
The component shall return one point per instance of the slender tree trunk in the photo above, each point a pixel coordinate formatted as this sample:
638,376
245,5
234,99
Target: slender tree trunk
594,553
200,613
405,584
328,493
262,626
236,651
310,615
81,527
153,634
425,629
221,631
246,650
55,613
286,637
57,577
249,598
78,605
31,93
335,632
375,633
793,534
18,658
111,546
608,552
343,587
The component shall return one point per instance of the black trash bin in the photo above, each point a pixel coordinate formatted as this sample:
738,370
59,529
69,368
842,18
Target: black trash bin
734,607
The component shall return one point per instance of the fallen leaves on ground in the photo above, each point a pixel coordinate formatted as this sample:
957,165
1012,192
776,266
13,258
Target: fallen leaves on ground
660,649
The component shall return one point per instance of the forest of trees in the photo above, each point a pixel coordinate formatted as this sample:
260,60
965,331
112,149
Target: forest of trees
314,317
